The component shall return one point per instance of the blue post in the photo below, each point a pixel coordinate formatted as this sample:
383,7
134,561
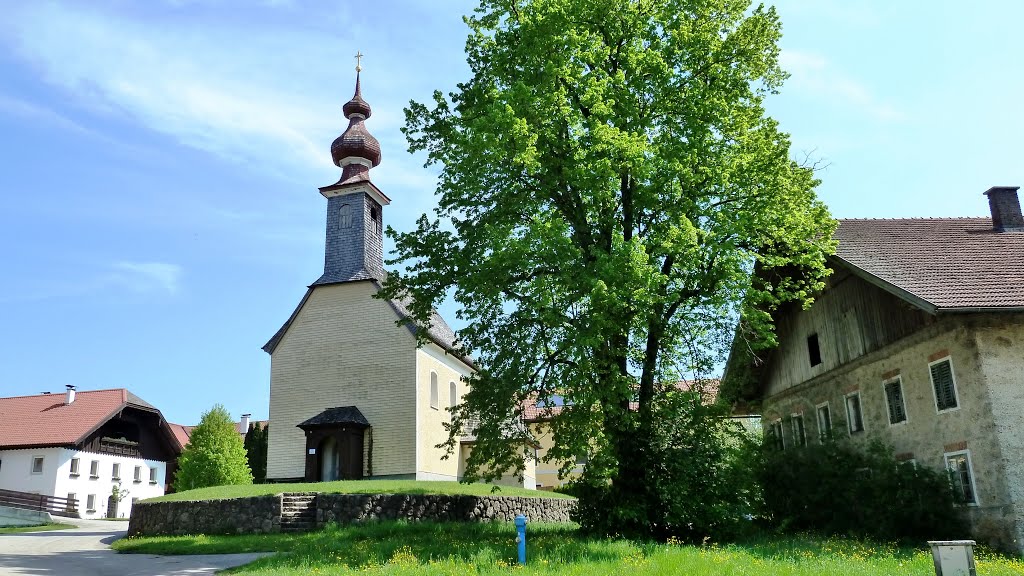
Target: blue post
521,537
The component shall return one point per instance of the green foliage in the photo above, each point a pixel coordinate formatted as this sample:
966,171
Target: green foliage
837,488
214,456
698,485
256,442
612,182
387,548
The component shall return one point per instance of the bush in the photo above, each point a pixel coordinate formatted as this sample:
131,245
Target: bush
837,489
698,483
214,456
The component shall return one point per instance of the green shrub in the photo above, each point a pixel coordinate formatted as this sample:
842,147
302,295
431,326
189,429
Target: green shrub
698,483
836,488
215,455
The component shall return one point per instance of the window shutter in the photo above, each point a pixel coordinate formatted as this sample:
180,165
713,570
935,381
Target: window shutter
894,397
942,379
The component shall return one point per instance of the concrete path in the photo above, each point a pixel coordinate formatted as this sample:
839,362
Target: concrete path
85,551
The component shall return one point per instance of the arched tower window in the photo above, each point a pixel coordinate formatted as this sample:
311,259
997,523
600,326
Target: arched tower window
453,394
433,390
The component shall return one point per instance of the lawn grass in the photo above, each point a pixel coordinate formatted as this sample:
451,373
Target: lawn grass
40,528
392,548
355,487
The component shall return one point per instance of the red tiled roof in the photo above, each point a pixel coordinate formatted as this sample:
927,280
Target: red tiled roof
44,419
181,433
707,387
946,262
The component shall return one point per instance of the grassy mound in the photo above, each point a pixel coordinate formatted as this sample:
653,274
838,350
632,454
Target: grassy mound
355,487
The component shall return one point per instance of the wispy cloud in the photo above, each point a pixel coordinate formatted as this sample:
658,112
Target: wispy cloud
144,278
220,91
815,76
147,277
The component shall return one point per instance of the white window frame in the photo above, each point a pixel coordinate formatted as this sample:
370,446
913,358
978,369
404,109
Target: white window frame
822,434
849,419
42,465
453,394
71,496
434,402
970,470
152,475
115,471
903,396
956,389
138,474
94,469
76,465
90,503
799,436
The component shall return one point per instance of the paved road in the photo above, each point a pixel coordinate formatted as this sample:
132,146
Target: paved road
85,551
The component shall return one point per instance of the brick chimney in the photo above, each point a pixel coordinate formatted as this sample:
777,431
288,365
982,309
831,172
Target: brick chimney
69,397
1005,207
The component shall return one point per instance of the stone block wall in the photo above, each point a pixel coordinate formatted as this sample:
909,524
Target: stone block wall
262,514
253,515
348,508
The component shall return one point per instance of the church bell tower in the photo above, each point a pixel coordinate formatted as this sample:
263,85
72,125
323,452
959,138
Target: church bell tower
354,248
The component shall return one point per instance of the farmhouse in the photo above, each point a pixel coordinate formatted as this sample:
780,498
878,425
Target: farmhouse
917,340
80,445
351,394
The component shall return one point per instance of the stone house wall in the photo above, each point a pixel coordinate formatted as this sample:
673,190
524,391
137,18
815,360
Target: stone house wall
986,423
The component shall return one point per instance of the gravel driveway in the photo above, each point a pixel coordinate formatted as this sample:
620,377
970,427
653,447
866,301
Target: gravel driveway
85,551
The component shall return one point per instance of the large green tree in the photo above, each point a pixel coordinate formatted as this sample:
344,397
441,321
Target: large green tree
617,198
215,455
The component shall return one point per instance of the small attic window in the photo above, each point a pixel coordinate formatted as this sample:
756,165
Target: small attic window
813,350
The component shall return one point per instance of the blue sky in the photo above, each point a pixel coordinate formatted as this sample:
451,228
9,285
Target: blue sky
158,204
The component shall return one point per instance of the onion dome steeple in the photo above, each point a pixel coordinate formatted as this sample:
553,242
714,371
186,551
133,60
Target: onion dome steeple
354,247
356,151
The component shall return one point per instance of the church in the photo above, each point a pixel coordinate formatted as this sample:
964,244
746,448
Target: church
352,396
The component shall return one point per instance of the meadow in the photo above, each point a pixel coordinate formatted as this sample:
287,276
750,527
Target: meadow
428,549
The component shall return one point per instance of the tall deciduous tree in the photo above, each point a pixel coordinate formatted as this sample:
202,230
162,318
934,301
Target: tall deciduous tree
613,183
215,455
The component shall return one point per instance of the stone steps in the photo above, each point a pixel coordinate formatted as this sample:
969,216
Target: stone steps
298,512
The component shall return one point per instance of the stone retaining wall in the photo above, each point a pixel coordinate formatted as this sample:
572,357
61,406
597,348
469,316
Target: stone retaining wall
347,508
253,515
262,514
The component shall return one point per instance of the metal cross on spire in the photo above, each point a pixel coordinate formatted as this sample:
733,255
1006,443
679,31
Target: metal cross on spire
359,61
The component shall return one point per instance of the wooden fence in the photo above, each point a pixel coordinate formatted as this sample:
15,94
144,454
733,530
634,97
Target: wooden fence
55,505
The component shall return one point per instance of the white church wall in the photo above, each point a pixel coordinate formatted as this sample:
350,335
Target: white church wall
432,359
344,349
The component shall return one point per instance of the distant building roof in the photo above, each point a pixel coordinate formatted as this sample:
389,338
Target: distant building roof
45,419
707,387
183,433
937,263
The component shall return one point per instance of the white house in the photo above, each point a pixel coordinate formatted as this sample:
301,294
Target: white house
82,445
